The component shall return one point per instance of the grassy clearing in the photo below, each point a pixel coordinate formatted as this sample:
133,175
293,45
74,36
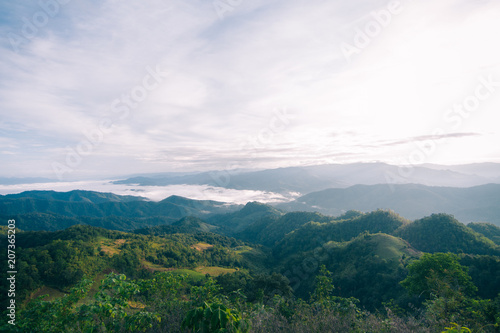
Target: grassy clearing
153,267
195,276
111,247
214,270
202,246
244,249
51,293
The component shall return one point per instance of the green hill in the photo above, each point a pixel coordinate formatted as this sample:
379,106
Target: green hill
313,234
369,268
49,210
188,224
75,196
270,229
488,230
241,219
443,233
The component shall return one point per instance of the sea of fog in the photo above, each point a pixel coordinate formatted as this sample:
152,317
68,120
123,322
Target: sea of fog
157,193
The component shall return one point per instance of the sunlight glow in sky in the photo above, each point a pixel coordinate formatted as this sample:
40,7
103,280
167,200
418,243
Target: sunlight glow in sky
109,88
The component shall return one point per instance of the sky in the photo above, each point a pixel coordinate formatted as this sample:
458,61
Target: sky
95,89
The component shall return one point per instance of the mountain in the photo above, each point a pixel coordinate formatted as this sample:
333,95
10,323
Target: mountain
188,224
488,170
443,233
319,177
53,222
49,210
474,204
368,267
239,220
75,196
314,234
488,230
270,229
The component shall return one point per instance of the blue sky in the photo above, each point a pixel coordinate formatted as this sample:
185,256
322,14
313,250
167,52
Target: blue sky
102,88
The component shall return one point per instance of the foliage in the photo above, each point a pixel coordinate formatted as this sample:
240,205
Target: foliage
488,230
443,233
439,275
313,234
367,268
108,312
215,317
324,286
485,273
149,288
455,328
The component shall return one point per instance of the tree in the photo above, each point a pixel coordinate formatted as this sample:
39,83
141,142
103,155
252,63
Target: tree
324,286
447,286
439,275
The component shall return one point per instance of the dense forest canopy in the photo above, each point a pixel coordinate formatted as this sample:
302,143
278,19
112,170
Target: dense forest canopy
255,269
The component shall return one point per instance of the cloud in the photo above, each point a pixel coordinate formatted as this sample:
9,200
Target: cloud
225,78
422,138
158,193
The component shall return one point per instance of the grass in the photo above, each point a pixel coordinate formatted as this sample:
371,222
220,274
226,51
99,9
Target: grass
202,246
214,270
111,247
154,267
390,247
51,293
244,249
195,276
199,272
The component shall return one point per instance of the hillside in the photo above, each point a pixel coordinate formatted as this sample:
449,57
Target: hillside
268,230
186,225
273,257
49,210
488,230
313,234
474,204
237,221
443,233
368,267
60,259
74,196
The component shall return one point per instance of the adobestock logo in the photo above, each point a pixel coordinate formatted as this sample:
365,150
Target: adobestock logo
225,6
32,26
461,111
121,108
455,116
364,35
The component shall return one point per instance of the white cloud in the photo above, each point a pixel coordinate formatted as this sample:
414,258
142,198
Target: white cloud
226,78
157,193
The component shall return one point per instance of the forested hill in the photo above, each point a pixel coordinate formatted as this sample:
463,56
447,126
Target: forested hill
49,210
255,266
74,196
473,204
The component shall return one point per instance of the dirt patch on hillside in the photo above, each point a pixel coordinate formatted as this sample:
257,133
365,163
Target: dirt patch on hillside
202,246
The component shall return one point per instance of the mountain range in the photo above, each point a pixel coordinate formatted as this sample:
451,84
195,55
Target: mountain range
413,201
50,210
320,177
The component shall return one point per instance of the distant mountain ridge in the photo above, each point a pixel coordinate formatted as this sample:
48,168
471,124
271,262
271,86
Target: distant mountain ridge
319,177
50,210
413,201
74,196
